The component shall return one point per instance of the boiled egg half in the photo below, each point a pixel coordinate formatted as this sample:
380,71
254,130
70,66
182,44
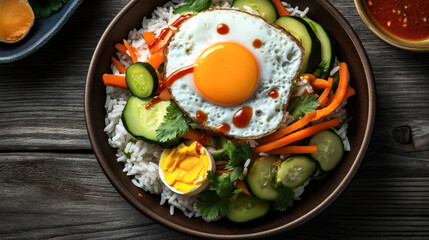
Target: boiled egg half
183,169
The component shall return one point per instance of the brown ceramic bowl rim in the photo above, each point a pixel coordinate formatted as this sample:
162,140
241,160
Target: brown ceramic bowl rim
374,27
89,116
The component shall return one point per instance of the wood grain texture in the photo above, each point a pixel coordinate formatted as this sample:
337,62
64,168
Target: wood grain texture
52,187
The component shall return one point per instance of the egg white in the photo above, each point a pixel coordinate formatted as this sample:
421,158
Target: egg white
279,60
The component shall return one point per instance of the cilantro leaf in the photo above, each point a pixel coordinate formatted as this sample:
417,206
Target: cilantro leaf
45,8
236,154
211,205
284,198
298,106
215,201
194,6
220,184
175,124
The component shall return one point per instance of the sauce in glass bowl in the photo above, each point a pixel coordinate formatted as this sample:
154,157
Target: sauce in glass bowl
406,19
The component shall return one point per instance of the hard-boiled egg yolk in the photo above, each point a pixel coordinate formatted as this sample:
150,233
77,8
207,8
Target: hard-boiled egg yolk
185,167
226,73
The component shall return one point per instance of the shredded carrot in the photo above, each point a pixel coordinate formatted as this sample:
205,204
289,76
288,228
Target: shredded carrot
119,65
220,172
114,81
324,95
294,150
319,83
241,185
291,128
198,136
339,94
165,95
296,136
130,51
148,37
281,10
349,92
220,167
156,59
121,48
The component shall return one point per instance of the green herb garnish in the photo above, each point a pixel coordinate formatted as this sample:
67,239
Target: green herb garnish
298,106
45,8
175,124
194,6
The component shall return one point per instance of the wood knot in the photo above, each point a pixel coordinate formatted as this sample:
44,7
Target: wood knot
402,134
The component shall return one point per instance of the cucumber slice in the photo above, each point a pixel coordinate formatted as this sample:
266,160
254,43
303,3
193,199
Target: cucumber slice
331,149
142,123
303,32
327,56
265,8
243,208
141,79
294,171
260,178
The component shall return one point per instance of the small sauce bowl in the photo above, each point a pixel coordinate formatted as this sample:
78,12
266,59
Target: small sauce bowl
380,32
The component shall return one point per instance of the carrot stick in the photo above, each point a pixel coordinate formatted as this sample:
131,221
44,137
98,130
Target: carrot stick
291,128
198,136
324,96
165,95
294,150
114,81
339,94
220,172
319,83
241,185
119,65
281,10
156,59
296,136
121,48
349,92
130,51
148,37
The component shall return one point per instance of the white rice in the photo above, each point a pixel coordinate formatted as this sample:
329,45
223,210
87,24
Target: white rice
144,157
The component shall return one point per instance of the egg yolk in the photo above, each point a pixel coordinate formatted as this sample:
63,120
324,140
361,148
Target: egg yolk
185,167
226,73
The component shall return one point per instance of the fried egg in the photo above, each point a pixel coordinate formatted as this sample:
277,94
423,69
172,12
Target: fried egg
243,71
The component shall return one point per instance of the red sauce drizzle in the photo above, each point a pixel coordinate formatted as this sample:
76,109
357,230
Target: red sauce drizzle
257,43
180,20
198,147
222,29
154,101
242,117
165,34
273,93
407,19
224,127
178,74
201,116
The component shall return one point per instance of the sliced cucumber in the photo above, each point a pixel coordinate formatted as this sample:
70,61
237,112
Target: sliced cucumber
327,56
260,177
303,32
331,149
243,208
142,123
141,79
294,171
264,8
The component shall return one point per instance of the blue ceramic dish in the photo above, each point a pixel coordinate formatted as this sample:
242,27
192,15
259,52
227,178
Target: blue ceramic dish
43,30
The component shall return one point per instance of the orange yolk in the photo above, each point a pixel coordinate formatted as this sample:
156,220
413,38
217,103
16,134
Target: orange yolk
226,73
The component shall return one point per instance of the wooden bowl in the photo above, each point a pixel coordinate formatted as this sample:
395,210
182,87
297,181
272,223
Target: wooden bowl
380,32
317,196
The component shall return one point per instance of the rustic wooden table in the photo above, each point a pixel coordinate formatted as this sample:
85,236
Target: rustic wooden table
51,185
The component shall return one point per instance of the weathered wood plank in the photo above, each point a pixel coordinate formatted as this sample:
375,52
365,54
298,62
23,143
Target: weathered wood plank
47,195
